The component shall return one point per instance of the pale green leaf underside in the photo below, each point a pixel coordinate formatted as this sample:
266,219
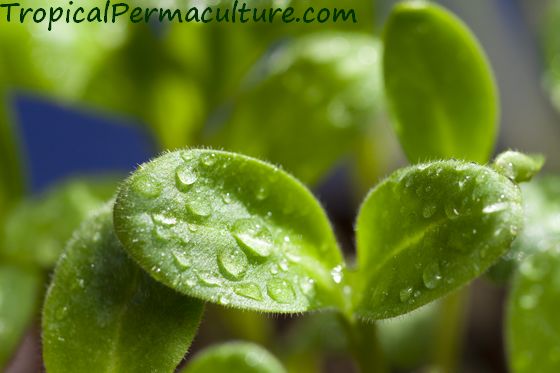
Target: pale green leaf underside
229,229
439,85
19,290
104,314
238,357
37,229
429,229
533,326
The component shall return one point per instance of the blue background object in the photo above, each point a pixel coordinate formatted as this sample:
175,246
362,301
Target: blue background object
59,142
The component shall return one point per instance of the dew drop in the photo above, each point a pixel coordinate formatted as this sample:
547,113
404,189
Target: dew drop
274,269
232,263
164,220
223,300
280,290
208,159
496,207
181,259
432,276
429,211
146,186
199,207
252,237
336,274
451,211
208,279
284,265
262,193
185,177
405,294
226,197
307,285
61,313
249,290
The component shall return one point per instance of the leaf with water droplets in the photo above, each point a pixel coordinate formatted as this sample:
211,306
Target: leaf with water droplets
439,85
239,357
37,229
407,258
322,88
249,251
19,291
533,327
103,313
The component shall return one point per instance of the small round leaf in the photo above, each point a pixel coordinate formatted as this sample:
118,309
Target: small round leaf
229,229
239,357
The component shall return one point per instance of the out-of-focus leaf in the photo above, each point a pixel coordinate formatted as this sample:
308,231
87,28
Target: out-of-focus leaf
239,357
551,49
59,62
104,314
308,103
232,230
19,290
541,200
403,338
438,84
37,229
533,333
429,229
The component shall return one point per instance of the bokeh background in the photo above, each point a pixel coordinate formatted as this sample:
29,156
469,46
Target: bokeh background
88,103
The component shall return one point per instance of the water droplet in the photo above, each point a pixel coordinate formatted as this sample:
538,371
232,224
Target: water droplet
232,263
284,265
307,285
226,197
61,313
146,186
274,269
451,211
262,193
405,294
199,207
164,220
185,177
336,274
182,259
253,237
223,300
208,159
209,279
248,290
187,155
429,211
496,207
432,276
193,227
280,290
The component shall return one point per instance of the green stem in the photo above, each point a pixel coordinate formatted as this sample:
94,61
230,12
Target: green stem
450,331
364,345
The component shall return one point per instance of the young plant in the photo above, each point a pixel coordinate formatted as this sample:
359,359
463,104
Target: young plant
228,229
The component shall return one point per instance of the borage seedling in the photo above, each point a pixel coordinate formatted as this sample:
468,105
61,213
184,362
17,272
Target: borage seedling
224,228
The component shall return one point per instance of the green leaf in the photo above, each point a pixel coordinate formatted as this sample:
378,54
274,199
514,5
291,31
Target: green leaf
541,200
428,229
517,166
104,314
239,357
439,85
37,229
229,229
322,89
533,330
19,290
